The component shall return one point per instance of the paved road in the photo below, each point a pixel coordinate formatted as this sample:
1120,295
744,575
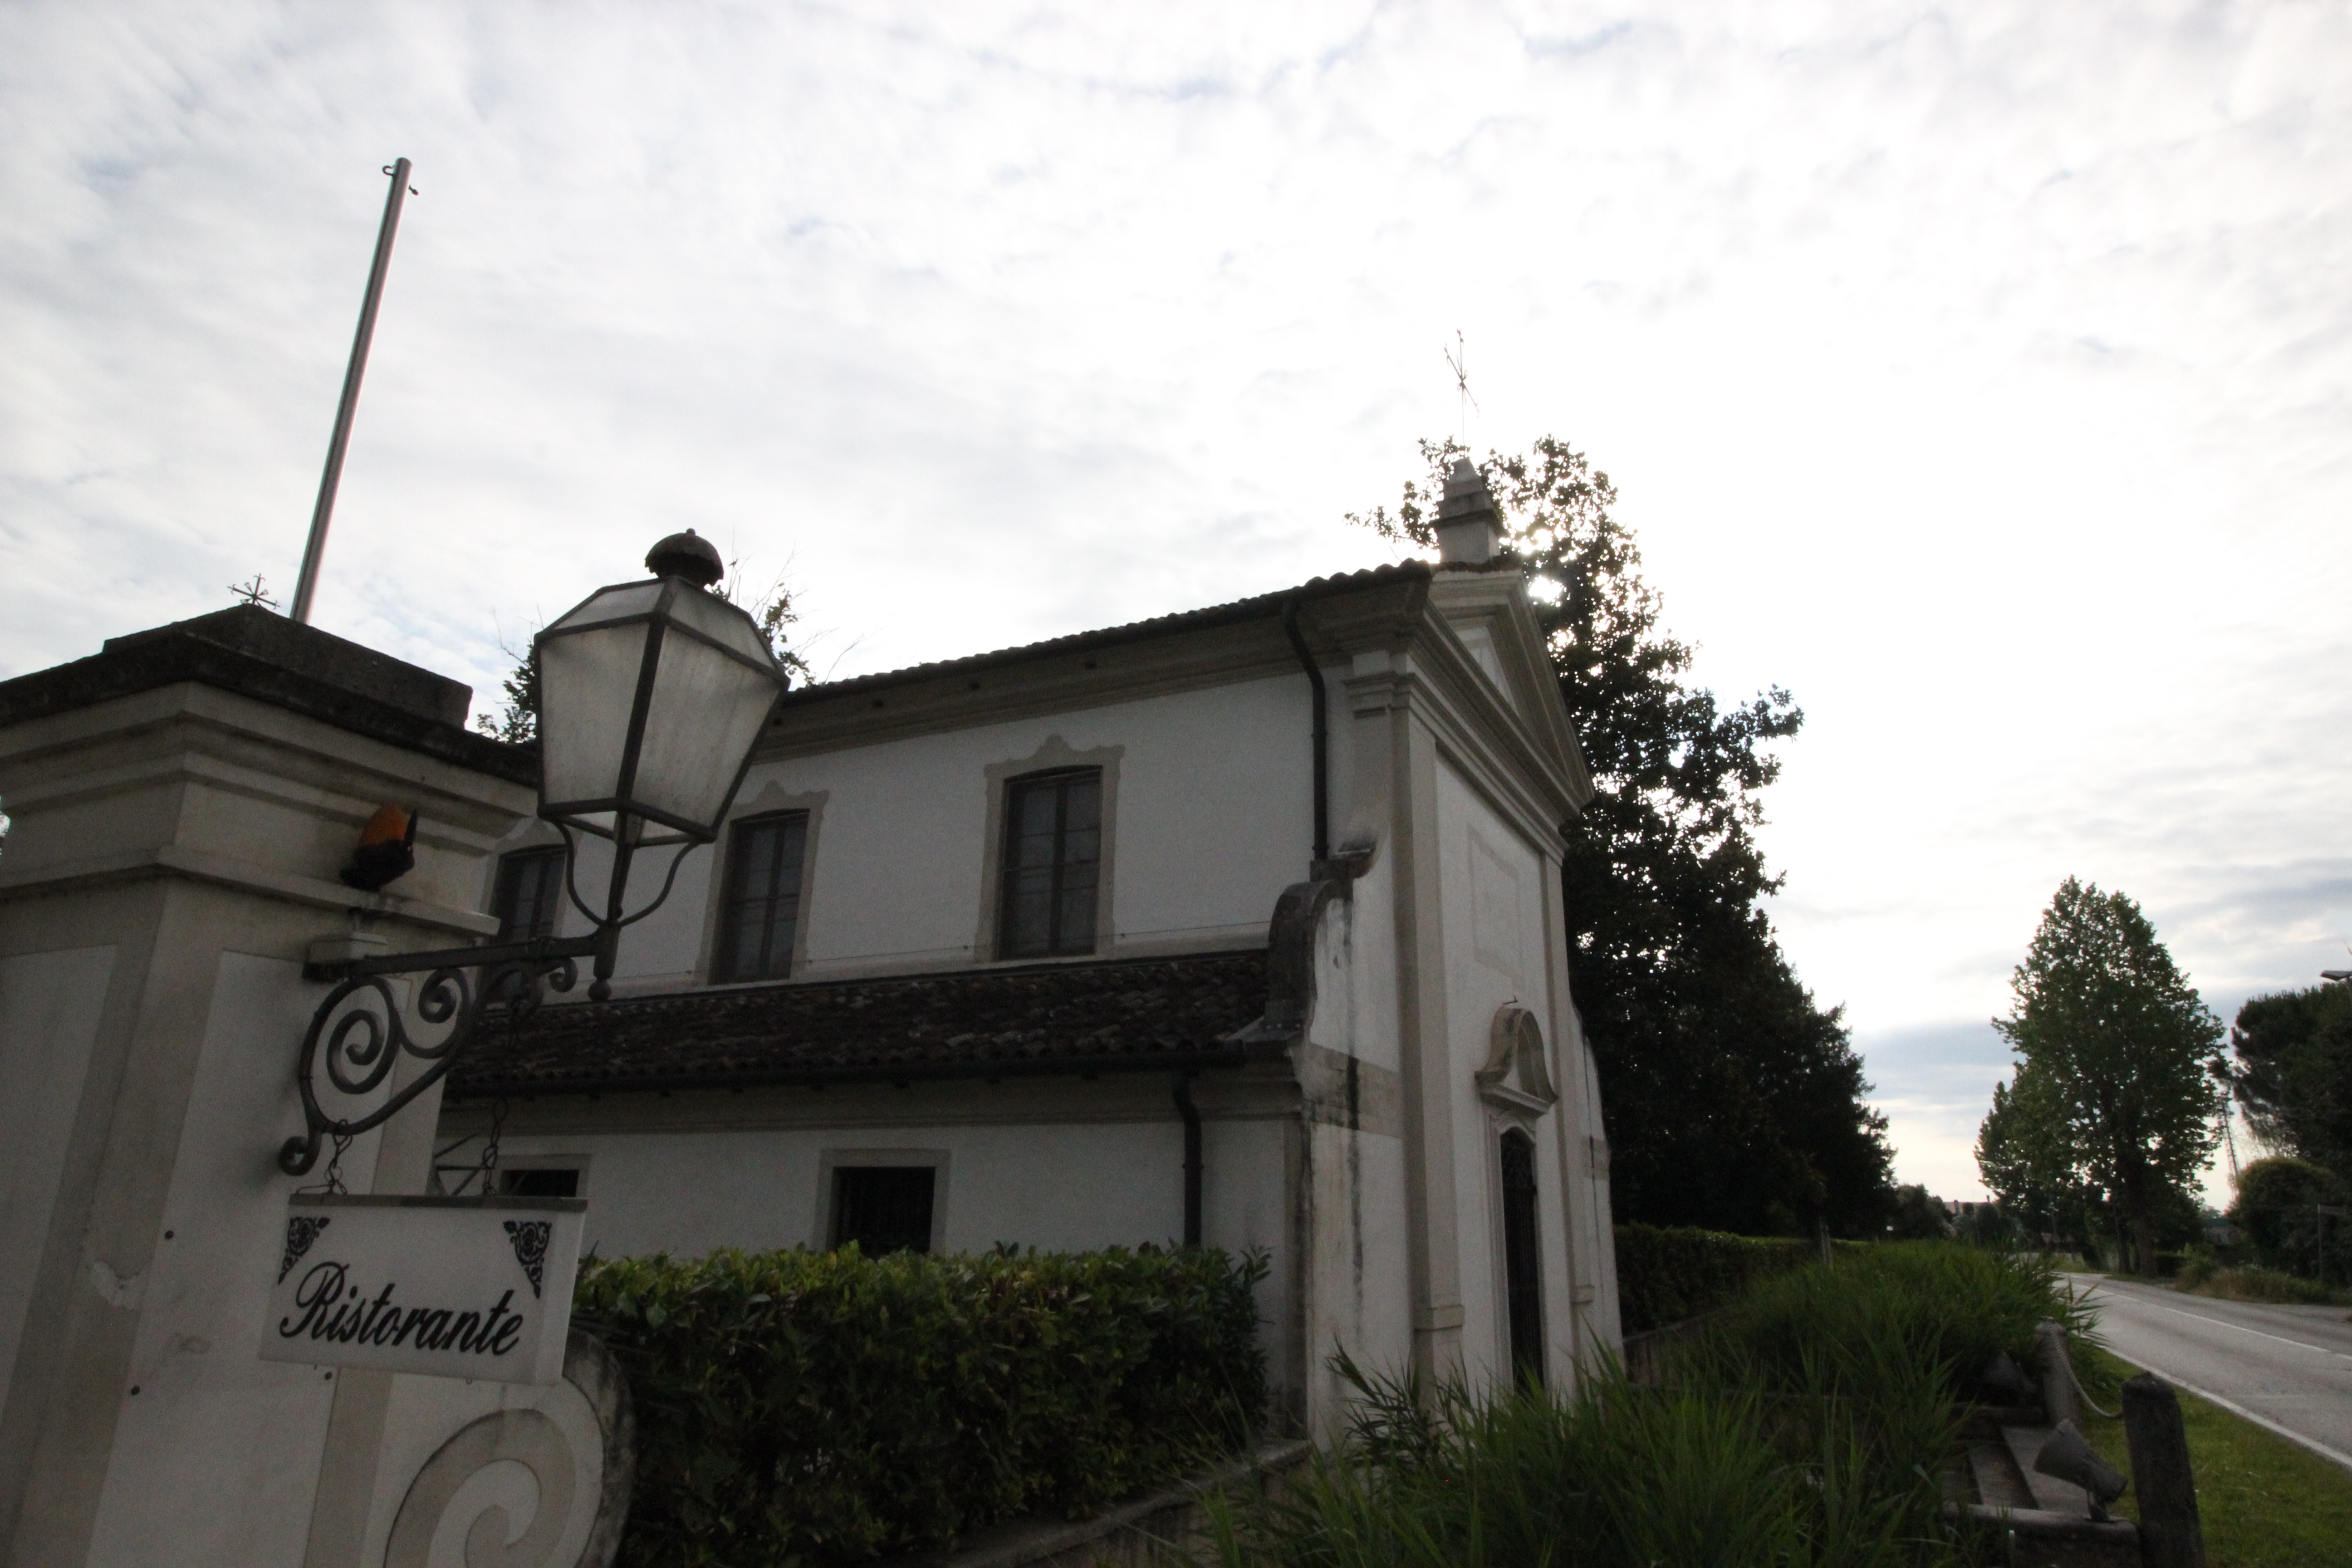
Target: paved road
2289,1366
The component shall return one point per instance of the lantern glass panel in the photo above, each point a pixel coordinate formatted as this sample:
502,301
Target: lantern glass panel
610,605
706,712
587,684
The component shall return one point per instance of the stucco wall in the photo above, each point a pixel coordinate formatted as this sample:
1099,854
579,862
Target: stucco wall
1213,818
1060,1166
1491,883
49,1007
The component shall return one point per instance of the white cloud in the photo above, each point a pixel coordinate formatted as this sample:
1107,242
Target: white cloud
1979,374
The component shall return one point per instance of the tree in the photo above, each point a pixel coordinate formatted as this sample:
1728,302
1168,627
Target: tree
2293,1074
1920,1215
2114,1047
2023,1156
1732,1100
2277,1211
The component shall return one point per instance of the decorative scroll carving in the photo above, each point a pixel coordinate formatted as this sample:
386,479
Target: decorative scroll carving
578,1445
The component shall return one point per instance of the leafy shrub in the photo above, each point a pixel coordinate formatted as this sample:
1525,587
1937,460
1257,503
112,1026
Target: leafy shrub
2276,1210
805,1408
2253,1282
1804,1426
1944,1310
1836,1468
1665,1275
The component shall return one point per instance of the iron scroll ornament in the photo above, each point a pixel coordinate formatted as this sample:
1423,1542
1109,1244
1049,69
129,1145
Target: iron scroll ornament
361,1048
357,1047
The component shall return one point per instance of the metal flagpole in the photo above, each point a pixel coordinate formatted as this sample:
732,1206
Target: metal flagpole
309,581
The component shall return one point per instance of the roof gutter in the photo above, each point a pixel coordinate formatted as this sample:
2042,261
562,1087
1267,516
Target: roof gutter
1322,735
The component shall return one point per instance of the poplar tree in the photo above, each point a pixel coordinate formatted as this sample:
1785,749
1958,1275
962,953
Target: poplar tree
1732,1098
2115,1051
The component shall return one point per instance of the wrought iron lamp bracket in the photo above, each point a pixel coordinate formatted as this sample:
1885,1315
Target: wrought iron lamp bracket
361,1031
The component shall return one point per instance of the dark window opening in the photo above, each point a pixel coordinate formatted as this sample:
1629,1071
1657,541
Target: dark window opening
534,1182
883,1208
530,894
1522,1255
761,914
1052,862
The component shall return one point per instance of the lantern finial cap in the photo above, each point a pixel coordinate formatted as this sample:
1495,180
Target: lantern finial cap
686,555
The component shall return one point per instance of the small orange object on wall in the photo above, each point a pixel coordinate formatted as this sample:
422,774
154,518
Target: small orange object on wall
387,852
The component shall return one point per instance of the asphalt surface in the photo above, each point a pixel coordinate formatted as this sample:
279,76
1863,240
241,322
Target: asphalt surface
2291,1367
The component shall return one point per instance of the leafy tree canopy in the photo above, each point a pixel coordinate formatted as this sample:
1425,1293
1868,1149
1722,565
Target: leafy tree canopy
2113,1091
2293,1073
2277,1210
1732,1098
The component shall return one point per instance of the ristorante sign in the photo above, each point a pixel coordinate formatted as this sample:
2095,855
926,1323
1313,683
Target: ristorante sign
466,1288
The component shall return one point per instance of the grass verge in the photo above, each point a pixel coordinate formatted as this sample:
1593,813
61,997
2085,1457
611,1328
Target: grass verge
2251,1282
2264,1502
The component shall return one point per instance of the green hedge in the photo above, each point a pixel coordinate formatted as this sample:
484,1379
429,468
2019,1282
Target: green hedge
1665,1275
807,1408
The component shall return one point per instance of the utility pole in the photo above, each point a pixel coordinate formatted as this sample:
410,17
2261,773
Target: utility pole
306,585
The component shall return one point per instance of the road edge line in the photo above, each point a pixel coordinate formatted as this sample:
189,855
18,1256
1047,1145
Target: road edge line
2312,1444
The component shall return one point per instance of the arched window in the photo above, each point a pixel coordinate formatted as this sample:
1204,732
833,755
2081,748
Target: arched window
1522,1255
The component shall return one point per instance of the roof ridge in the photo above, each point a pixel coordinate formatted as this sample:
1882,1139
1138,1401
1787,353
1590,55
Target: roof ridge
1071,642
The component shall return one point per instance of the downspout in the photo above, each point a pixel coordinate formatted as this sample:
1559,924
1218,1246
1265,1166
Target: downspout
1191,1115
1322,733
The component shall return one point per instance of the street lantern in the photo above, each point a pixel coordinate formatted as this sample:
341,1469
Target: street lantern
651,698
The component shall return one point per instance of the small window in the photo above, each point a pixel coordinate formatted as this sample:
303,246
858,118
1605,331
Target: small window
1053,860
530,892
1522,1257
539,1183
883,1208
761,913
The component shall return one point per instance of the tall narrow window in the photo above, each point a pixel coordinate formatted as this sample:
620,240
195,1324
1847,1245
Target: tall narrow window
883,1208
1053,860
530,894
1522,1255
761,909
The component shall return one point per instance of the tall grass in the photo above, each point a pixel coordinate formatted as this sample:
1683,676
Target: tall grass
1906,1304
1808,1427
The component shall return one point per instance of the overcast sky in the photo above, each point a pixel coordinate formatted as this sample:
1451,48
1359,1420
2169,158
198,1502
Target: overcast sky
1979,372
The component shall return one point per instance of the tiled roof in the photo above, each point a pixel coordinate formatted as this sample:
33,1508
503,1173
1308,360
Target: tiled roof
1254,608
1120,1015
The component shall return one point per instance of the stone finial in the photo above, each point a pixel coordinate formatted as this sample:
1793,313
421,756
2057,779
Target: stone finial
1469,525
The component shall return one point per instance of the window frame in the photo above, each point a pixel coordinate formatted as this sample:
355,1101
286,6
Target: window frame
1059,781
1054,754
504,881
718,897
835,1159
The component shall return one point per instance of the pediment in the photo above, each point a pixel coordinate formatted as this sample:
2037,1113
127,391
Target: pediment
1517,1077
1490,615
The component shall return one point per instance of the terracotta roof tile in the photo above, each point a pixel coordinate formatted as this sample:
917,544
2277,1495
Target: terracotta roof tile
1124,1015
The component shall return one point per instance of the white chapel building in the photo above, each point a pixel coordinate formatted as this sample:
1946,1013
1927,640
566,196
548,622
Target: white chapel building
1239,926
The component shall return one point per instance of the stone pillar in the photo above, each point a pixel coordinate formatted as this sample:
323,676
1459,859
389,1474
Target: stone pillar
183,801
2171,1533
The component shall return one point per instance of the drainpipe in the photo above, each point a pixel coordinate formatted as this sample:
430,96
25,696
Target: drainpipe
1191,1115
1322,733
